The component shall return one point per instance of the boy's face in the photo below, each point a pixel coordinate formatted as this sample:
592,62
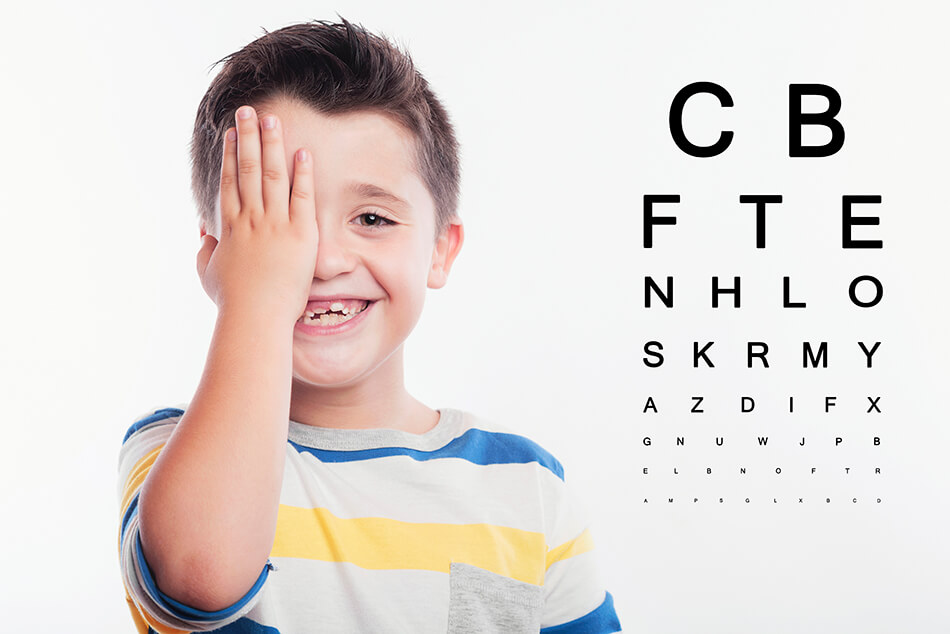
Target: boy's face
363,163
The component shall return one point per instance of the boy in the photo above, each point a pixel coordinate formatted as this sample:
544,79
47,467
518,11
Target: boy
303,489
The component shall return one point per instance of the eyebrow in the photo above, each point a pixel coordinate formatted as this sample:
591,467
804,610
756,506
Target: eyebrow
368,190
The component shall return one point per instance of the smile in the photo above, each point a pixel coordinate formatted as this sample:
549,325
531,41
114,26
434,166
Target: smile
336,313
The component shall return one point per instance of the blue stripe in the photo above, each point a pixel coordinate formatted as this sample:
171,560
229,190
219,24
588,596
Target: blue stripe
186,612
475,445
129,514
161,414
599,621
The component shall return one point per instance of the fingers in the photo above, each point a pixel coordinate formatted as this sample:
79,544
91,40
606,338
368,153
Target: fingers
274,165
301,196
249,161
254,169
228,188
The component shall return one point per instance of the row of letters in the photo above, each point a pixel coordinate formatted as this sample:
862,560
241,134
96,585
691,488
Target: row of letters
762,441
766,500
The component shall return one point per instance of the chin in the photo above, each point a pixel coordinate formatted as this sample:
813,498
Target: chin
334,377
333,368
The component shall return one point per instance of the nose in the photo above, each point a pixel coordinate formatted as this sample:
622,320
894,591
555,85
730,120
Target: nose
334,255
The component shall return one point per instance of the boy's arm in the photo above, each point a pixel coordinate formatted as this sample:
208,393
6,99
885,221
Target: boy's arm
208,506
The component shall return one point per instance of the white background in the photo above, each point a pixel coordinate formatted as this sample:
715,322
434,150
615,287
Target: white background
561,111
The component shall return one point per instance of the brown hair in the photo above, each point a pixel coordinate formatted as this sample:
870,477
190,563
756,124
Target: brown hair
333,68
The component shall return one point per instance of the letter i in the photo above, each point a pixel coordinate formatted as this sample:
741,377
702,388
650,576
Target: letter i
791,404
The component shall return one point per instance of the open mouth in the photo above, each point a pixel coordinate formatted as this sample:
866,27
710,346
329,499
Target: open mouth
336,313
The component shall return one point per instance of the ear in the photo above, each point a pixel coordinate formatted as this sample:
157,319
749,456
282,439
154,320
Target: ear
208,244
447,246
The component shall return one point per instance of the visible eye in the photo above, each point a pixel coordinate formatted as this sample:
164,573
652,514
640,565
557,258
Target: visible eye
370,219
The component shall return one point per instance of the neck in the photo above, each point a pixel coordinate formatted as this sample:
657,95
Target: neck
379,400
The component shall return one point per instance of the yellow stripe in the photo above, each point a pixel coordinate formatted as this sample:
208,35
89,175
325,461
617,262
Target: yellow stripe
386,544
140,625
580,544
137,477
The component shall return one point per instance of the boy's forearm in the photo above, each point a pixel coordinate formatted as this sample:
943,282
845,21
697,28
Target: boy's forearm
208,507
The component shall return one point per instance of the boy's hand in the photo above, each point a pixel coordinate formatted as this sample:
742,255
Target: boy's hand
268,245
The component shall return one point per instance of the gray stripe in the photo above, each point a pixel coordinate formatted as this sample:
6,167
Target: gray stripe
448,427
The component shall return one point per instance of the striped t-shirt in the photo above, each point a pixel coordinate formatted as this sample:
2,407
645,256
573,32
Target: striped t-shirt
465,528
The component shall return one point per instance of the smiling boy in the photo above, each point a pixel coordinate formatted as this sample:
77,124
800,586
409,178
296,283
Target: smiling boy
303,488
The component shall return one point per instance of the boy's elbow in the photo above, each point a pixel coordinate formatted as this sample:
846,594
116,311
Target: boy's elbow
201,572
203,584
200,576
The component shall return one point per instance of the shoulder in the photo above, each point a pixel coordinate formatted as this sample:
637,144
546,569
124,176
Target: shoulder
154,417
490,442
149,431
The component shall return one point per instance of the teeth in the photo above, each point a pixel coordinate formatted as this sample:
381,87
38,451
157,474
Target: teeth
330,319
334,316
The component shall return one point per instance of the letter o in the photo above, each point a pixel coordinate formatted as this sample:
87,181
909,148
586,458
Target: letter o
878,291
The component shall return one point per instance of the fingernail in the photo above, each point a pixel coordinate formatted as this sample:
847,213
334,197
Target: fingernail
231,134
302,155
268,122
244,112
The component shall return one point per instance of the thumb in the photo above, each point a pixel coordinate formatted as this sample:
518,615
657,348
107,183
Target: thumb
208,244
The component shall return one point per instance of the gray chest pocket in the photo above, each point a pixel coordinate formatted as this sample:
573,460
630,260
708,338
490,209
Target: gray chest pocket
482,602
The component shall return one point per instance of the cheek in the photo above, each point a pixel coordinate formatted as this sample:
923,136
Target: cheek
406,280
405,264
413,281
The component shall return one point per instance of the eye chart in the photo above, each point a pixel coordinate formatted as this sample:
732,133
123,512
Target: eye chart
805,417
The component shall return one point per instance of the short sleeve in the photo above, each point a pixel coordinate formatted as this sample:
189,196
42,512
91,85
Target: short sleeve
151,608
575,598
